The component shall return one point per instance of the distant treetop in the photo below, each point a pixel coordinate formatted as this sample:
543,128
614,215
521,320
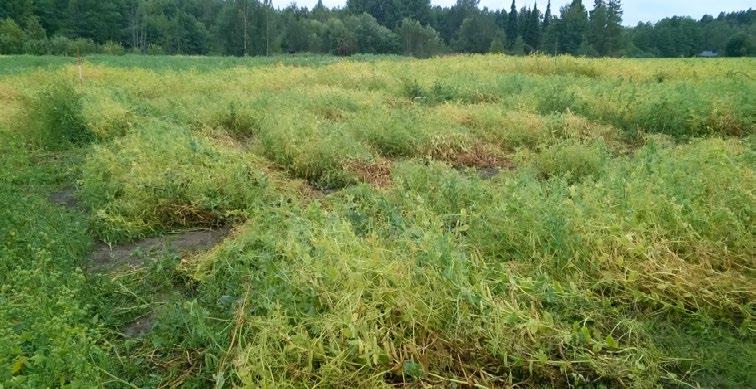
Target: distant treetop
412,27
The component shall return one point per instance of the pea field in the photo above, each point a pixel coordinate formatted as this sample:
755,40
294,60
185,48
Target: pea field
376,221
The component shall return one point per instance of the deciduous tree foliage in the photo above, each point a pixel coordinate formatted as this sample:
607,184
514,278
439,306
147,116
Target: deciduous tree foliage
476,34
255,27
418,40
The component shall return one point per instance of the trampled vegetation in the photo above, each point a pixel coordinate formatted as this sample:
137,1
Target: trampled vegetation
484,220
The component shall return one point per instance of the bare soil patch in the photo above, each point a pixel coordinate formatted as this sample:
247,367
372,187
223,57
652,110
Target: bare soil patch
376,173
64,197
482,156
139,253
140,326
488,173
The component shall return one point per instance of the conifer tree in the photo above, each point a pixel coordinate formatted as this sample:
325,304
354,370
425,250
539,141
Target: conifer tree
532,32
512,24
547,17
614,26
573,27
597,32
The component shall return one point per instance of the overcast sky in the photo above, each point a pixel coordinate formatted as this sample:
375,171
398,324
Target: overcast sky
635,10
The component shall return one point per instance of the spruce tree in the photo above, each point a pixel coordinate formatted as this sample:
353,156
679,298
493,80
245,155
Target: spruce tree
518,47
532,31
497,44
522,20
512,26
573,27
614,27
597,32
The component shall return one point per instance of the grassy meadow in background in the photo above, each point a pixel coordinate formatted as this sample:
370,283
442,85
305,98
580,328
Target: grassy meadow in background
466,220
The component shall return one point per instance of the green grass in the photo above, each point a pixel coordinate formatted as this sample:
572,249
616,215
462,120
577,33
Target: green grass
48,336
371,245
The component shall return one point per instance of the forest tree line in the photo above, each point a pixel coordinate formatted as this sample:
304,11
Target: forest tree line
409,27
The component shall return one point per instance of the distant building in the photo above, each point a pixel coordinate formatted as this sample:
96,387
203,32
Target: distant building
708,54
